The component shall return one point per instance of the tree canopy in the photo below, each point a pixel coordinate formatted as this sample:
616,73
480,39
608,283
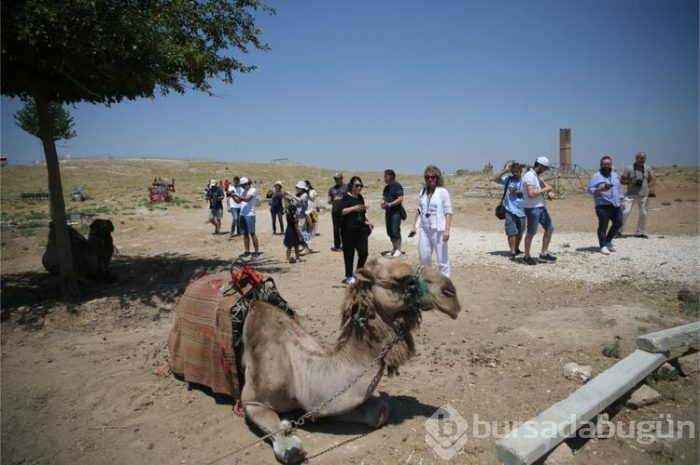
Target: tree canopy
27,118
103,51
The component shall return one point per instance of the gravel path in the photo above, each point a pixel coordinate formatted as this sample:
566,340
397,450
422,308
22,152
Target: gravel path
666,258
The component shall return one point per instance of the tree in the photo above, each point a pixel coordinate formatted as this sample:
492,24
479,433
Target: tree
105,51
28,119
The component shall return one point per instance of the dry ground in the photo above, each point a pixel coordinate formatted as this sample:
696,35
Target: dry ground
77,382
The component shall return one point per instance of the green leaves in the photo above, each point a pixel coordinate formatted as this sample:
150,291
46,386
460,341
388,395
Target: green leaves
28,119
104,51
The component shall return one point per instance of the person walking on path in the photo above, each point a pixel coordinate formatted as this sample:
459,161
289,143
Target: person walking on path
513,203
276,207
607,196
434,215
215,196
640,183
355,228
534,190
394,213
246,223
335,194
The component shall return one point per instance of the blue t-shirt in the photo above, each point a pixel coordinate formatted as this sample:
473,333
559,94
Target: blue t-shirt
612,196
514,195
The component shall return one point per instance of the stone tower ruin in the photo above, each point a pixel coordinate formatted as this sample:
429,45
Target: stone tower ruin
565,164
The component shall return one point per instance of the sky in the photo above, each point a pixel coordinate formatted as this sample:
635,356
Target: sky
376,84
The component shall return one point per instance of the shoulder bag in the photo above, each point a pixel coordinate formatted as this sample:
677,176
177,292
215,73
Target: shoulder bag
500,209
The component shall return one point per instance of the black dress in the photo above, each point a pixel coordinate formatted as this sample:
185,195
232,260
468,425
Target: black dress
291,238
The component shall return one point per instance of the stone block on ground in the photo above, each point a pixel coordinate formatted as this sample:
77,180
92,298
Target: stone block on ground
573,370
671,338
562,455
689,364
645,395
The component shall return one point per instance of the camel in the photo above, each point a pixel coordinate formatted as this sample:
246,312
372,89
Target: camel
286,369
91,256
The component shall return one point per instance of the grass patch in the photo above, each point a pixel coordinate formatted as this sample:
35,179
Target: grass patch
565,245
612,350
30,225
678,199
666,203
667,389
691,308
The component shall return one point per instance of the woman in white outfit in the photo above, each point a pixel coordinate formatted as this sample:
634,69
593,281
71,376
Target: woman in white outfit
435,218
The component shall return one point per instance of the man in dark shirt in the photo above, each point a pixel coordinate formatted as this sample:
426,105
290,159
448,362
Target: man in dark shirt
336,193
392,203
215,196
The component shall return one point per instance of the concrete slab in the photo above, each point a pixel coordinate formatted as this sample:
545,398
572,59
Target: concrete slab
671,338
541,434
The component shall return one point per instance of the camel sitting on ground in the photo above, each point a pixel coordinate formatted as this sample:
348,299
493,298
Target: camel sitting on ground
286,369
91,256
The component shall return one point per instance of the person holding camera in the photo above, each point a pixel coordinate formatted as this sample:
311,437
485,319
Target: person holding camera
513,203
607,194
534,191
640,183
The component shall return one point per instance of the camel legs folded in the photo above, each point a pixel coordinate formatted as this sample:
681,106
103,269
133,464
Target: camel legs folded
288,448
373,412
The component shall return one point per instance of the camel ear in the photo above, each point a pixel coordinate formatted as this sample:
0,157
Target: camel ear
364,276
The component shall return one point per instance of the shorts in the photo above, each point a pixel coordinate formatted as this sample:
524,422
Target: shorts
515,225
393,226
537,216
246,224
216,214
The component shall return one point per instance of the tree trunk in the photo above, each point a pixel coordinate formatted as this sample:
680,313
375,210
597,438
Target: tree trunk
69,285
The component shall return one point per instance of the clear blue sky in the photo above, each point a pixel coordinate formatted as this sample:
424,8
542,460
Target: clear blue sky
377,84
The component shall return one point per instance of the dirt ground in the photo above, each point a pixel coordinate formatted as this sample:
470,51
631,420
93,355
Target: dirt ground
78,384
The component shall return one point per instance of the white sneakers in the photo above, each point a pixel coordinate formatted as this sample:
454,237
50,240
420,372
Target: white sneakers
611,247
349,281
396,253
604,250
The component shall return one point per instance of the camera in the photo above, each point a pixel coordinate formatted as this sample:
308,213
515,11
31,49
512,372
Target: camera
608,186
638,182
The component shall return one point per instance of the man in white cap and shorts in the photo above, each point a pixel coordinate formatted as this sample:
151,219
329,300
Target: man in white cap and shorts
534,190
248,198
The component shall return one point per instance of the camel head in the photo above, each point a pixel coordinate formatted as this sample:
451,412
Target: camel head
386,302
101,227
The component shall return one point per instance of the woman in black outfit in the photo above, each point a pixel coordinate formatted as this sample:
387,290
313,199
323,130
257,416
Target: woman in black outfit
355,227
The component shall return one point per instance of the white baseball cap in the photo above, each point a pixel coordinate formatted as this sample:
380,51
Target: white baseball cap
544,161
243,181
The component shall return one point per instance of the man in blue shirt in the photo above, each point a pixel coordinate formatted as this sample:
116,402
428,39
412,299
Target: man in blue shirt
607,195
513,202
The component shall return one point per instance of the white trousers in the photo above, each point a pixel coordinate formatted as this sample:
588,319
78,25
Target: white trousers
643,203
431,240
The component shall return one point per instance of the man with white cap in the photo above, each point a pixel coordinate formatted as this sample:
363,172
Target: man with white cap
248,198
215,196
534,189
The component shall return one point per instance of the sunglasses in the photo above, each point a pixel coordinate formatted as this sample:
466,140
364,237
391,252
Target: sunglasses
431,177
358,185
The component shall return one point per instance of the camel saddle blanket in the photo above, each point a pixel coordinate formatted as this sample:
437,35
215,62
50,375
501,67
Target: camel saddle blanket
201,341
